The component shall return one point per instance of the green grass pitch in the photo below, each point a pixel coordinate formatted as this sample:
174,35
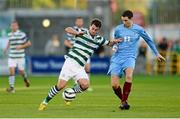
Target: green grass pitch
151,96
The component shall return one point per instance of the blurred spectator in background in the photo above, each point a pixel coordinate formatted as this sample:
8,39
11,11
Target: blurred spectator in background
175,58
163,48
79,26
100,52
52,47
141,59
142,50
176,47
17,44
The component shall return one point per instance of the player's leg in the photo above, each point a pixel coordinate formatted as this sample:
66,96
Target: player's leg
52,92
82,85
21,67
11,80
64,76
24,75
115,71
87,69
116,87
128,67
127,88
12,66
82,80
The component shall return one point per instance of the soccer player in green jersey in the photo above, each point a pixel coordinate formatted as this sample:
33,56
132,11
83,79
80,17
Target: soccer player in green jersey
85,45
79,23
17,44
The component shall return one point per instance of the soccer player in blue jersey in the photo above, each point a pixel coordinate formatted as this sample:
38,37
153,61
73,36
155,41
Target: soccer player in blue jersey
124,57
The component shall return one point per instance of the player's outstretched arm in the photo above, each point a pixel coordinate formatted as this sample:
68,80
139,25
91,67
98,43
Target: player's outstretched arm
70,30
114,41
26,45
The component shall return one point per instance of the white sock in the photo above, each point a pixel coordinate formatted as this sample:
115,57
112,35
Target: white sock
77,88
11,81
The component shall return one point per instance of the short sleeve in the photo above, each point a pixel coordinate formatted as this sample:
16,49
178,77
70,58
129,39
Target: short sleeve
104,41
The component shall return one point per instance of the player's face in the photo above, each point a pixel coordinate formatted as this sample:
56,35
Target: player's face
126,21
79,23
14,26
93,29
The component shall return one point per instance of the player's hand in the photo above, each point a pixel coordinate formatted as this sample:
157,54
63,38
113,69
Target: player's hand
114,41
117,40
18,47
80,33
161,58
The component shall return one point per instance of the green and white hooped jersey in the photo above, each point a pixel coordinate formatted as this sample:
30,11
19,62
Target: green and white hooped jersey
84,47
71,38
15,39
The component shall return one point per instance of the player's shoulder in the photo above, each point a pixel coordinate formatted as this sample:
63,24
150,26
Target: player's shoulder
138,27
98,37
119,26
20,32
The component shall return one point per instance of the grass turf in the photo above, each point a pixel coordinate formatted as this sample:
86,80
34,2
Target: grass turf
151,96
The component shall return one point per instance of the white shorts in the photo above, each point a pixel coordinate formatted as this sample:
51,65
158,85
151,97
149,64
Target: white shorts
17,62
72,70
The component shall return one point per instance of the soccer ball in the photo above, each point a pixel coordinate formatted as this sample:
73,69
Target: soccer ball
68,94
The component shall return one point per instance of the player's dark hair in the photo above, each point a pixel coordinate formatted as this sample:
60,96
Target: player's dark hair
127,13
14,21
96,22
79,18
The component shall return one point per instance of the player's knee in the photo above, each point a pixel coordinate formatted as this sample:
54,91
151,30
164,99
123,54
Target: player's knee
84,85
59,86
11,74
115,86
21,72
87,70
129,78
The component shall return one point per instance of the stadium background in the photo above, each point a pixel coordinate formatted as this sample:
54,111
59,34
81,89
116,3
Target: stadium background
41,19
158,18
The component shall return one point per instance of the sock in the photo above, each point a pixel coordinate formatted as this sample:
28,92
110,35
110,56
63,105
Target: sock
118,92
53,91
11,81
77,88
126,91
24,76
